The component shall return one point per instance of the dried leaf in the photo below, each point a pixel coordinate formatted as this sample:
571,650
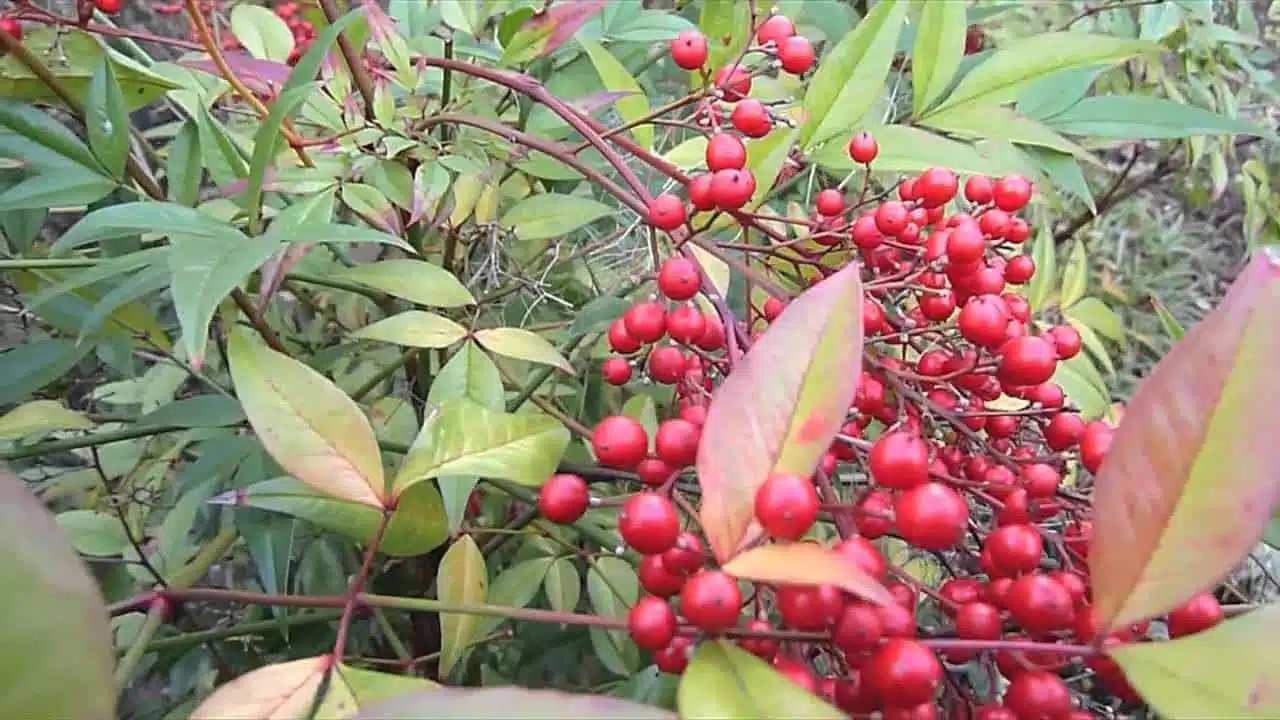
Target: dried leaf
806,563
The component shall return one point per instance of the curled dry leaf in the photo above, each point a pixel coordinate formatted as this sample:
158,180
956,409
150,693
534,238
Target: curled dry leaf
1229,671
782,405
805,563
1193,469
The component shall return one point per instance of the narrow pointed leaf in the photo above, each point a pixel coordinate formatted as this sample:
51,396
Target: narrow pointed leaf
41,416
725,681
1192,468
106,120
522,345
782,405
549,215
136,218
460,437
515,703
1172,327
1135,117
203,271
1228,671
420,282
974,121
312,429
414,328
939,46
806,563
615,78
1075,276
461,578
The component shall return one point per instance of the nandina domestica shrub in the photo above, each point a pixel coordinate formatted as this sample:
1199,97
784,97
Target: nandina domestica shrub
817,436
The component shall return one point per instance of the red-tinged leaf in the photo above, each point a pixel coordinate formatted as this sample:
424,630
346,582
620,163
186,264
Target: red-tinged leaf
806,563
781,406
272,272
264,76
1193,471
564,18
1229,671
515,703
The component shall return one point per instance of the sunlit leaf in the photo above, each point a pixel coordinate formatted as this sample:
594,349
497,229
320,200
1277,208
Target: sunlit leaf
939,45
414,328
1192,469
263,33
461,579
1075,276
1145,117
972,121
911,149
40,416
420,282
311,428
725,681
1093,312
806,563
515,703
203,271
781,406
522,345
614,76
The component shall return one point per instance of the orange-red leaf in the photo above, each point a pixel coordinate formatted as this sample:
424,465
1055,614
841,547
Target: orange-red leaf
781,405
806,563
1193,471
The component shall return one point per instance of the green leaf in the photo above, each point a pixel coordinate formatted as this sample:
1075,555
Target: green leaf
725,681
461,578
417,525
514,587
269,537
549,215
203,272
417,281
1075,276
183,169
54,629
852,75
261,32
790,393
304,71
72,54
68,187
563,585
910,149
30,366
597,315
514,703
765,158
137,218
267,141
1093,312
40,416
940,37
522,345
1172,327
106,120
460,437
690,154
470,374
414,328
1092,343
643,409
92,532
1044,253
1013,67
312,429
1134,117
613,587
1191,468
615,78
1065,172
727,25
1227,671
200,411
1057,91
46,133
973,120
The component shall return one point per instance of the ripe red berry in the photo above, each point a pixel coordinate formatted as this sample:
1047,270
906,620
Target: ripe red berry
725,151
751,118
656,578
1040,604
686,557
872,517
796,54
711,600
1201,612
1027,360
1038,694
899,460
786,505
864,554
713,337
1040,479
936,187
667,364
978,620
891,218
653,471
982,320
863,148
615,370
829,202
689,49
762,647
978,189
775,28
1020,269
674,658
645,321
731,189
1014,548
652,623
994,222
649,523
686,324
621,340
110,7
666,212
1063,431
734,81
797,672
931,516
858,628
1095,441
1011,193
563,498
965,245
619,441
1066,341
904,673
1018,231
678,278
700,196
865,234
676,442
803,607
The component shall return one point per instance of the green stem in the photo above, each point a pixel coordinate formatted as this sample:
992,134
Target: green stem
138,649
372,383
389,633
251,628
48,263
211,552
92,439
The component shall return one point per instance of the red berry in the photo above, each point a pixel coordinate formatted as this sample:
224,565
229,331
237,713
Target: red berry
700,192
994,222
872,516
904,673
1011,193
1038,694
1018,231
1095,441
674,658
686,556
1041,480
666,212
615,370
1066,341
1020,269
649,523
1040,604
725,152
676,442
686,324
713,337
751,118
653,471
1014,548
775,28
711,600
786,505
802,607
689,49
563,498
899,460
652,623
796,54
762,647
863,148
864,554
620,339
931,516
830,202
797,672
965,245
1063,431
858,629
978,620
891,218
678,278
936,187
110,7
1027,360
656,578
1201,612
646,321
619,441
734,81
977,189
982,320
865,234
731,189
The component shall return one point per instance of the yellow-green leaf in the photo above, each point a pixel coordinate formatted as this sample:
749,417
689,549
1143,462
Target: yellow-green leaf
549,215
1093,312
420,282
1191,469
1083,386
690,154
312,429
780,408
613,587
806,563
466,193
725,681
460,437
615,78
461,579
905,148
262,33
974,121
1045,254
414,328
716,269
1075,276
1228,671
1092,343
940,37
40,416
522,345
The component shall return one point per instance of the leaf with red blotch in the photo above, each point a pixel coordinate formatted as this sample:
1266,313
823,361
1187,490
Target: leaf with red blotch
780,407
806,563
1193,472
1230,670
564,18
